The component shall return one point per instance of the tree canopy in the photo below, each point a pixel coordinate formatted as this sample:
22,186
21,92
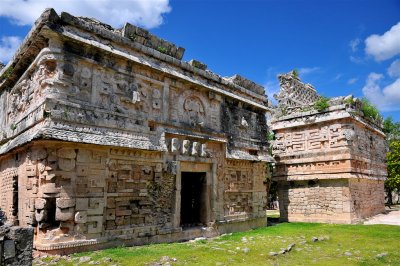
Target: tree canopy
392,131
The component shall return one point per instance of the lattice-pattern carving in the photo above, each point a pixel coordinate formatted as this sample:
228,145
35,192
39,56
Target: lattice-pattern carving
293,92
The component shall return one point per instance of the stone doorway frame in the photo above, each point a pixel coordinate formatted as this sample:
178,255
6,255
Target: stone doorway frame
195,167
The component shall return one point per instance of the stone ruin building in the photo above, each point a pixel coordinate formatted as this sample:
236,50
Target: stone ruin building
107,137
330,164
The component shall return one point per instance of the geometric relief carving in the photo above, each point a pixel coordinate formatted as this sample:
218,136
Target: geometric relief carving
336,135
313,167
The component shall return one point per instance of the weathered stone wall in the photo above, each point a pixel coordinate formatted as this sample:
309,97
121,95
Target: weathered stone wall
315,201
76,195
100,129
330,164
16,245
367,197
9,188
331,200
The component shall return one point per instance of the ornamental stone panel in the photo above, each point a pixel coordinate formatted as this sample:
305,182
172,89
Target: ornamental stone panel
106,135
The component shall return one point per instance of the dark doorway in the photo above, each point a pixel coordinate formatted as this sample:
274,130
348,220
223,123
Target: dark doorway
193,197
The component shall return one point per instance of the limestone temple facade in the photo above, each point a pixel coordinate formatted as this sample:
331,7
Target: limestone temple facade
330,164
107,137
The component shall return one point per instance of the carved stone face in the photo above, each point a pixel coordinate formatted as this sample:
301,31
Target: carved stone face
194,110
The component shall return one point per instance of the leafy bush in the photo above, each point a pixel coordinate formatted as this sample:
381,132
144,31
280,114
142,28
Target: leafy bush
369,110
349,100
321,104
162,49
295,73
391,129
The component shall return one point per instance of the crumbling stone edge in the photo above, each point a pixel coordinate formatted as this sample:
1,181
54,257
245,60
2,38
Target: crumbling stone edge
16,245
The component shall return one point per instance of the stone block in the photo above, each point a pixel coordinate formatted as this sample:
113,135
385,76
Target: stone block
185,147
80,228
203,150
97,181
31,170
82,204
96,206
195,149
96,224
41,215
40,203
198,64
63,203
65,214
81,217
67,153
147,170
49,188
82,170
123,212
158,168
119,220
9,249
110,203
84,156
174,145
38,154
110,214
23,237
66,164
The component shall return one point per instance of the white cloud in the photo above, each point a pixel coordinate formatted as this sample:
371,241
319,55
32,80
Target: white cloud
8,45
307,70
356,60
385,46
387,98
146,13
338,76
272,87
354,44
352,81
272,83
394,69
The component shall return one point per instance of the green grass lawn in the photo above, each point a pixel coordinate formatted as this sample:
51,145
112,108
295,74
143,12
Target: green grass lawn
343,245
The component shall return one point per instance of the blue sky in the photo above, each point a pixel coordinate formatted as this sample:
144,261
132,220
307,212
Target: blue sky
341,47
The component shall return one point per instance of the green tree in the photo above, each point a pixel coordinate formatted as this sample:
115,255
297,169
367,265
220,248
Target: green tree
393,167
392,131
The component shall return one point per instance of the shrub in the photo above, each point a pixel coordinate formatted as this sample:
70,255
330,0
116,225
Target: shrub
321,104
349,100
162,49
295,73
369,110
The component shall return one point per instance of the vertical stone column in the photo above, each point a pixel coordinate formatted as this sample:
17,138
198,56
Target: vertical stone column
165,96
176,219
